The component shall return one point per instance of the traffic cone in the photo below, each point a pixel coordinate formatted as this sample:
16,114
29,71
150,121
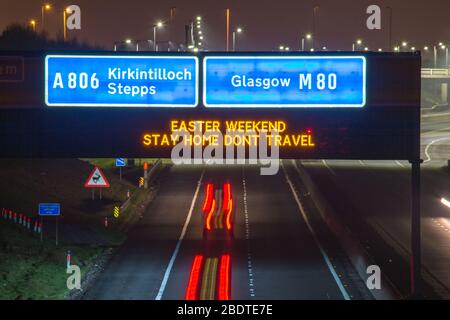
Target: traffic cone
10,215
20,218
106,222
40,227
29,223
24,220
35,226
15,217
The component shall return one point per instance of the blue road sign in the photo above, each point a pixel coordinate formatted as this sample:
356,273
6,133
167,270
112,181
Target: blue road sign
120,162
284,81
49,209
121,81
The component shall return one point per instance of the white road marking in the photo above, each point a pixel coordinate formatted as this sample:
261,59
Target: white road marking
328,167
430,144
361,163
400,164
180,239
435,115
319,245
247,238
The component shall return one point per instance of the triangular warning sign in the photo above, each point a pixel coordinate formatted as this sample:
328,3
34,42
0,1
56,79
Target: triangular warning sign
97,179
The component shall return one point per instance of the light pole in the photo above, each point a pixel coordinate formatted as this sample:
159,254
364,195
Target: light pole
316,8
444,47
33,24
159,24
65,12
390,27
356,44
45,7
435,55
237,31
308,36
405,46
128,41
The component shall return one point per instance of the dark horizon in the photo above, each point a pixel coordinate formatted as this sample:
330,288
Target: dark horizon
338,23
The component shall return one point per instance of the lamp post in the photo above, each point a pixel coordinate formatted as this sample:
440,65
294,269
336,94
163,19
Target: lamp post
356,44
435,56
444,47
390,27
45,7
316,8
65,11
308,36
159,24
237,31
33,24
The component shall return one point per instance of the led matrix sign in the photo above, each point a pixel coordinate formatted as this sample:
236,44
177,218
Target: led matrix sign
284,81
137,81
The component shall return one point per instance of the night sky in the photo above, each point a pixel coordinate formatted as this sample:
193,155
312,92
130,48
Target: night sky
267,23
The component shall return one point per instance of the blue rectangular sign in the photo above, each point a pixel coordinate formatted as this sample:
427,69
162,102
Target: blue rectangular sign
284,81
121,81
49,209
120,162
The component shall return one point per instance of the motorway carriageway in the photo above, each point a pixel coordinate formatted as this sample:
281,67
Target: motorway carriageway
373,198
280,250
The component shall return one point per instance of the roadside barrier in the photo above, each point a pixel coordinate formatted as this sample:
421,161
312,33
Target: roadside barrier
32,224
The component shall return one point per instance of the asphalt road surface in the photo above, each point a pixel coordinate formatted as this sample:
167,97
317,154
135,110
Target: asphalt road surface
377,194
274,253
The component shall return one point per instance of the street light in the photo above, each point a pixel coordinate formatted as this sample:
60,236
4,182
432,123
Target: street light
444,47
357,44
158,24
308,36
390,26
405,45
45,7
65,12
237,31
33,24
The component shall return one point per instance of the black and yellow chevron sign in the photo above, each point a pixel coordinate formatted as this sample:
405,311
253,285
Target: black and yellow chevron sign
116,212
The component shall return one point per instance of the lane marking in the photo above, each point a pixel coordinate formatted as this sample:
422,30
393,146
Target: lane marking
205,279
429,145
328,167
180,240
361,163
316,240
247,238
400,164
435,115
